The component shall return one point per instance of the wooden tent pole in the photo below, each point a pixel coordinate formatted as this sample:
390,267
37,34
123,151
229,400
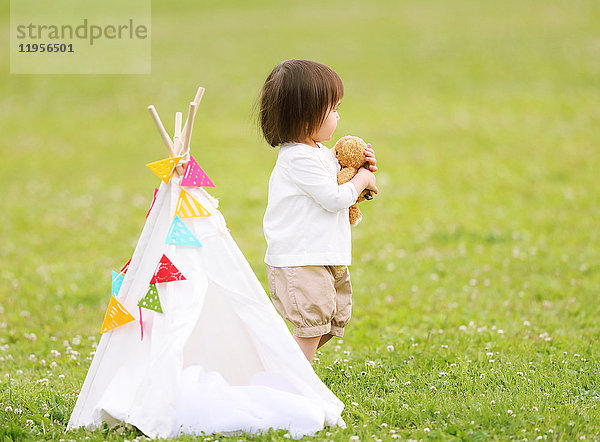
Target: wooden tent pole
187,132
199,95
197,100
177,136
161,129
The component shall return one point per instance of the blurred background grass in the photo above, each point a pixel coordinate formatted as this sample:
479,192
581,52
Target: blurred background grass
484,116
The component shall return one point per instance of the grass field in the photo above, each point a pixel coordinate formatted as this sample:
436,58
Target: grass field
476,271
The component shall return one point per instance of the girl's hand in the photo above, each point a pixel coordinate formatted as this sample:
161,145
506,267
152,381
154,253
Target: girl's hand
370,157
364,179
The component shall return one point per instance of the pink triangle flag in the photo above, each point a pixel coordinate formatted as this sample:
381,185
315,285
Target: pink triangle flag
194,176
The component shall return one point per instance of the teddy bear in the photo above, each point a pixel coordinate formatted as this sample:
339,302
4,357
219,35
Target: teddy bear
350,153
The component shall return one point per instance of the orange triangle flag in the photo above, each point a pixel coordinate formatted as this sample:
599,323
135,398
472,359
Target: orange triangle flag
116,315
188,207
164,168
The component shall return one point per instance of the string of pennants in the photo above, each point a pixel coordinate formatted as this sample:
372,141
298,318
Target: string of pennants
178,234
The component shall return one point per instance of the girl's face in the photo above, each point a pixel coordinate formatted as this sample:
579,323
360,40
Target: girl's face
325,132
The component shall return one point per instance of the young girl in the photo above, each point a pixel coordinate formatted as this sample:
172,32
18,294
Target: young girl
306,223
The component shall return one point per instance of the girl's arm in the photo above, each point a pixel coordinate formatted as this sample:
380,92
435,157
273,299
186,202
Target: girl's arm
364,179
309,174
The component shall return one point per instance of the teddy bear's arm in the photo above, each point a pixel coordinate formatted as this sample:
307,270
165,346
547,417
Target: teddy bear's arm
345,175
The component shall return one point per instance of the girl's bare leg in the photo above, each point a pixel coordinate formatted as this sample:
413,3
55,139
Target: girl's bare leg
308,346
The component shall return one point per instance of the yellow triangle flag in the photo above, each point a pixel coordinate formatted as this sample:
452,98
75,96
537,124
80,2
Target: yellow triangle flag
164,168
188,207
116,315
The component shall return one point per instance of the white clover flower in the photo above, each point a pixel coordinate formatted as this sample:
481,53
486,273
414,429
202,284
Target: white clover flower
76,340
370,363
500,331
55,353
18,411
43,381
390,348
509,411
407,383
32,357
354,438
432,388
426,430
8,409
462,327
492,402
53,364
61,376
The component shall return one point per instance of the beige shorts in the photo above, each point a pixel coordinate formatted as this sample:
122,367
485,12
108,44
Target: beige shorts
317,300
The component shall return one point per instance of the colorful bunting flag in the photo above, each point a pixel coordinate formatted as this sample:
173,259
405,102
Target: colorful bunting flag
166,272
151,300
179,234
117,280
125,267
194,176
116,315
152,205
164,168
188,207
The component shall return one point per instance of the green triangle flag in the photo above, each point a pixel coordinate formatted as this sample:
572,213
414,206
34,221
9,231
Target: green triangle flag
151,300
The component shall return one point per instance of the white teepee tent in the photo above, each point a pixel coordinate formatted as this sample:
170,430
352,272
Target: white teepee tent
192,342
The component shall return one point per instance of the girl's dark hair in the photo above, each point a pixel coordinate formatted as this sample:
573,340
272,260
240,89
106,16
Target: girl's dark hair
295,99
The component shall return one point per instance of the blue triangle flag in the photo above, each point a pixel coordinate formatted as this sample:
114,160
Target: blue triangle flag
117,280
179,234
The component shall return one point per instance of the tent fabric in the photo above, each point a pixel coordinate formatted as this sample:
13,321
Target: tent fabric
219,359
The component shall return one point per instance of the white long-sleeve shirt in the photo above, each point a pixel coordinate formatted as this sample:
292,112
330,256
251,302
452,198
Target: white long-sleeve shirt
306,221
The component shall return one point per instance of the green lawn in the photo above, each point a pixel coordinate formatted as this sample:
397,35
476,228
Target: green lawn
476,271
